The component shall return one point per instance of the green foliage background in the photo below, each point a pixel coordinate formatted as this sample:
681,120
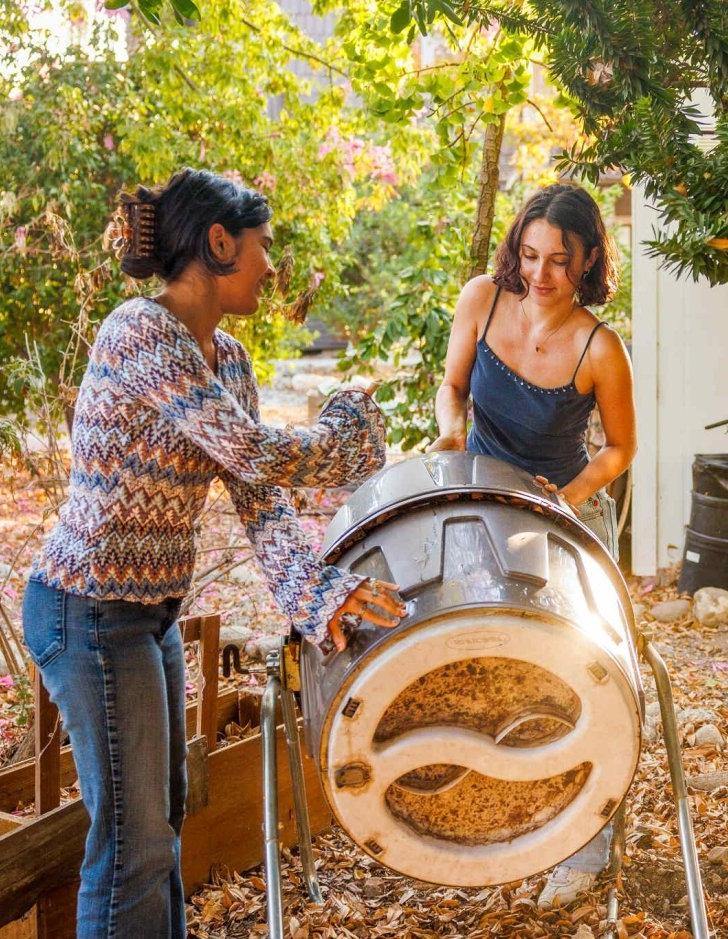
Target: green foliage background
80,125
371,166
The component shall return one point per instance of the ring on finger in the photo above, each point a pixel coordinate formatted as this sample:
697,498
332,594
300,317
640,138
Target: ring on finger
351,620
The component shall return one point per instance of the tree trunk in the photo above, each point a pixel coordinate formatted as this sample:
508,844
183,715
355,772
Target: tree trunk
488,189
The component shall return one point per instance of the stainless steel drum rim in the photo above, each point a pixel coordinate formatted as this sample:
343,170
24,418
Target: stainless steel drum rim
358,773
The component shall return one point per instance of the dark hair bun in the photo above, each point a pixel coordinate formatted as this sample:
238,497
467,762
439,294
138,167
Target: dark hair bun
166,228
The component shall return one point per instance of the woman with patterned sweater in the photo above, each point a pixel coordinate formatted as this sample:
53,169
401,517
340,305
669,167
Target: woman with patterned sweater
169,402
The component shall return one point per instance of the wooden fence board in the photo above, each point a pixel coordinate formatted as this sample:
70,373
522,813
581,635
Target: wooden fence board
17,782
230,829
40,856
46,853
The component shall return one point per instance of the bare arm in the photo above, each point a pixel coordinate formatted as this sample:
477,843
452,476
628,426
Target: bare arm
451,403
613,387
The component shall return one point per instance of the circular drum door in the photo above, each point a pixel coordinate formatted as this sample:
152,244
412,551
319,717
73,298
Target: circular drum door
496,730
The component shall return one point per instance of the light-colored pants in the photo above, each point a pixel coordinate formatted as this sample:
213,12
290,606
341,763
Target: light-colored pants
600,515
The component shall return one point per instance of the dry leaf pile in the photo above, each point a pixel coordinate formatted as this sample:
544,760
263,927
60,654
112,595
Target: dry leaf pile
363,899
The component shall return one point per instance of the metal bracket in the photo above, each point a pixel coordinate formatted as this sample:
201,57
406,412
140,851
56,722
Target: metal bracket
290,665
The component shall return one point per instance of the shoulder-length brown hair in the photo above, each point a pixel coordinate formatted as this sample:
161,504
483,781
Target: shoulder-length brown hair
573,210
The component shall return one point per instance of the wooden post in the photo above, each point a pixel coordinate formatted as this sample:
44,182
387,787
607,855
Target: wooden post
206,630
55,910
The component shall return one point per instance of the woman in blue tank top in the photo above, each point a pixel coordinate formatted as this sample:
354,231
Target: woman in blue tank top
536,361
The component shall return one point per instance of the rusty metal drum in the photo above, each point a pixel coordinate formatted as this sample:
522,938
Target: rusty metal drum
496,730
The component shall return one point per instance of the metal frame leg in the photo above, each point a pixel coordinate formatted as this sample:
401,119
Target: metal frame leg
616,856
299,795
270,796
698,914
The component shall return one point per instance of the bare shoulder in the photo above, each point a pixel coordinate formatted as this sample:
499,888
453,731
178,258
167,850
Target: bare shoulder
475,301
607,345
609,361
478,289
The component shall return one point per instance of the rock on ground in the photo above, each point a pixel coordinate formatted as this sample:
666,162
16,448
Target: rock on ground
709,734
670,610
710,606
260,647
237,635
696,716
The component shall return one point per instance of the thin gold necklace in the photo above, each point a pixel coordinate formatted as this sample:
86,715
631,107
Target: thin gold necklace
540,346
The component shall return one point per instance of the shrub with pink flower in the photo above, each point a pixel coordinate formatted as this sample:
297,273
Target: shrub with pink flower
21,236
331,144
383,169
358,156
109,142
235,175
265,180
124,13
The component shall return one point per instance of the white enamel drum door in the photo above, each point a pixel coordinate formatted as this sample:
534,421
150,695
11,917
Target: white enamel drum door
606,735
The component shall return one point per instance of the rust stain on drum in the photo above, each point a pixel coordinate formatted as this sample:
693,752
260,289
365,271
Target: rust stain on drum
477,809
485,694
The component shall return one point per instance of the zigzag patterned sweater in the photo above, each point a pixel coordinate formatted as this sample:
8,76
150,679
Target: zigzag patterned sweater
153,426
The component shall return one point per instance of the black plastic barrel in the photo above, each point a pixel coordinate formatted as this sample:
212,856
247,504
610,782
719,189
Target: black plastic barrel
709,515
710,474
705,558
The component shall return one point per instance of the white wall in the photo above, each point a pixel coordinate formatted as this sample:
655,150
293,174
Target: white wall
680,354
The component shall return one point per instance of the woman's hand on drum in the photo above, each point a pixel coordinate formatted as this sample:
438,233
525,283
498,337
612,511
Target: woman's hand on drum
447,441
372,600
550,488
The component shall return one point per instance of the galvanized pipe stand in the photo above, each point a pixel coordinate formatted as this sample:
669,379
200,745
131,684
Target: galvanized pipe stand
696,899
283,681
518,663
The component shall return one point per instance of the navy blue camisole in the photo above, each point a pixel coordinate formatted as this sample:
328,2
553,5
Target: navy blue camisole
542,430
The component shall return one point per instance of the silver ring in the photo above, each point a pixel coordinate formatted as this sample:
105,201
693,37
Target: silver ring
351,620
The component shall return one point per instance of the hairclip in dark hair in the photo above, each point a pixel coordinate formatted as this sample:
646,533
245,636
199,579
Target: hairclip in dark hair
131,231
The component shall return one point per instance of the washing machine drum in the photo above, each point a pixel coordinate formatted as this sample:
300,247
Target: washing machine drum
496,730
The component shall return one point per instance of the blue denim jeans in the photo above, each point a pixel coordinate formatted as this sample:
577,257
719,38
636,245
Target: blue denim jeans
599,514
116,672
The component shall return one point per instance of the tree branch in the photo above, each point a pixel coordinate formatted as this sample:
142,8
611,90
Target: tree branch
298,52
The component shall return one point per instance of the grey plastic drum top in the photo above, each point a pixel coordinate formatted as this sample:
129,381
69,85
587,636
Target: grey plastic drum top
497,728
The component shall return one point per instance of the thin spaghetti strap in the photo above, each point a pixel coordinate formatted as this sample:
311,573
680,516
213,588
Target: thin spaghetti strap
586,349
492,311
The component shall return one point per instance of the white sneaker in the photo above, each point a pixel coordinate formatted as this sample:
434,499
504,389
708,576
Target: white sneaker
565,884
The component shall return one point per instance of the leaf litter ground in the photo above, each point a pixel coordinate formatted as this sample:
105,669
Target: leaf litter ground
363,899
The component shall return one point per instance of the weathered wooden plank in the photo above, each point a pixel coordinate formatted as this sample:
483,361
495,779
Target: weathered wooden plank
227,709
198,776
230,829
191,628
40,856
56,912
10,822
17,782
208,680
24,928
46,853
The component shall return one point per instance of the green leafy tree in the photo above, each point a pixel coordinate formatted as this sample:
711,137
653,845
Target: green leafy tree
79,125
633,69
